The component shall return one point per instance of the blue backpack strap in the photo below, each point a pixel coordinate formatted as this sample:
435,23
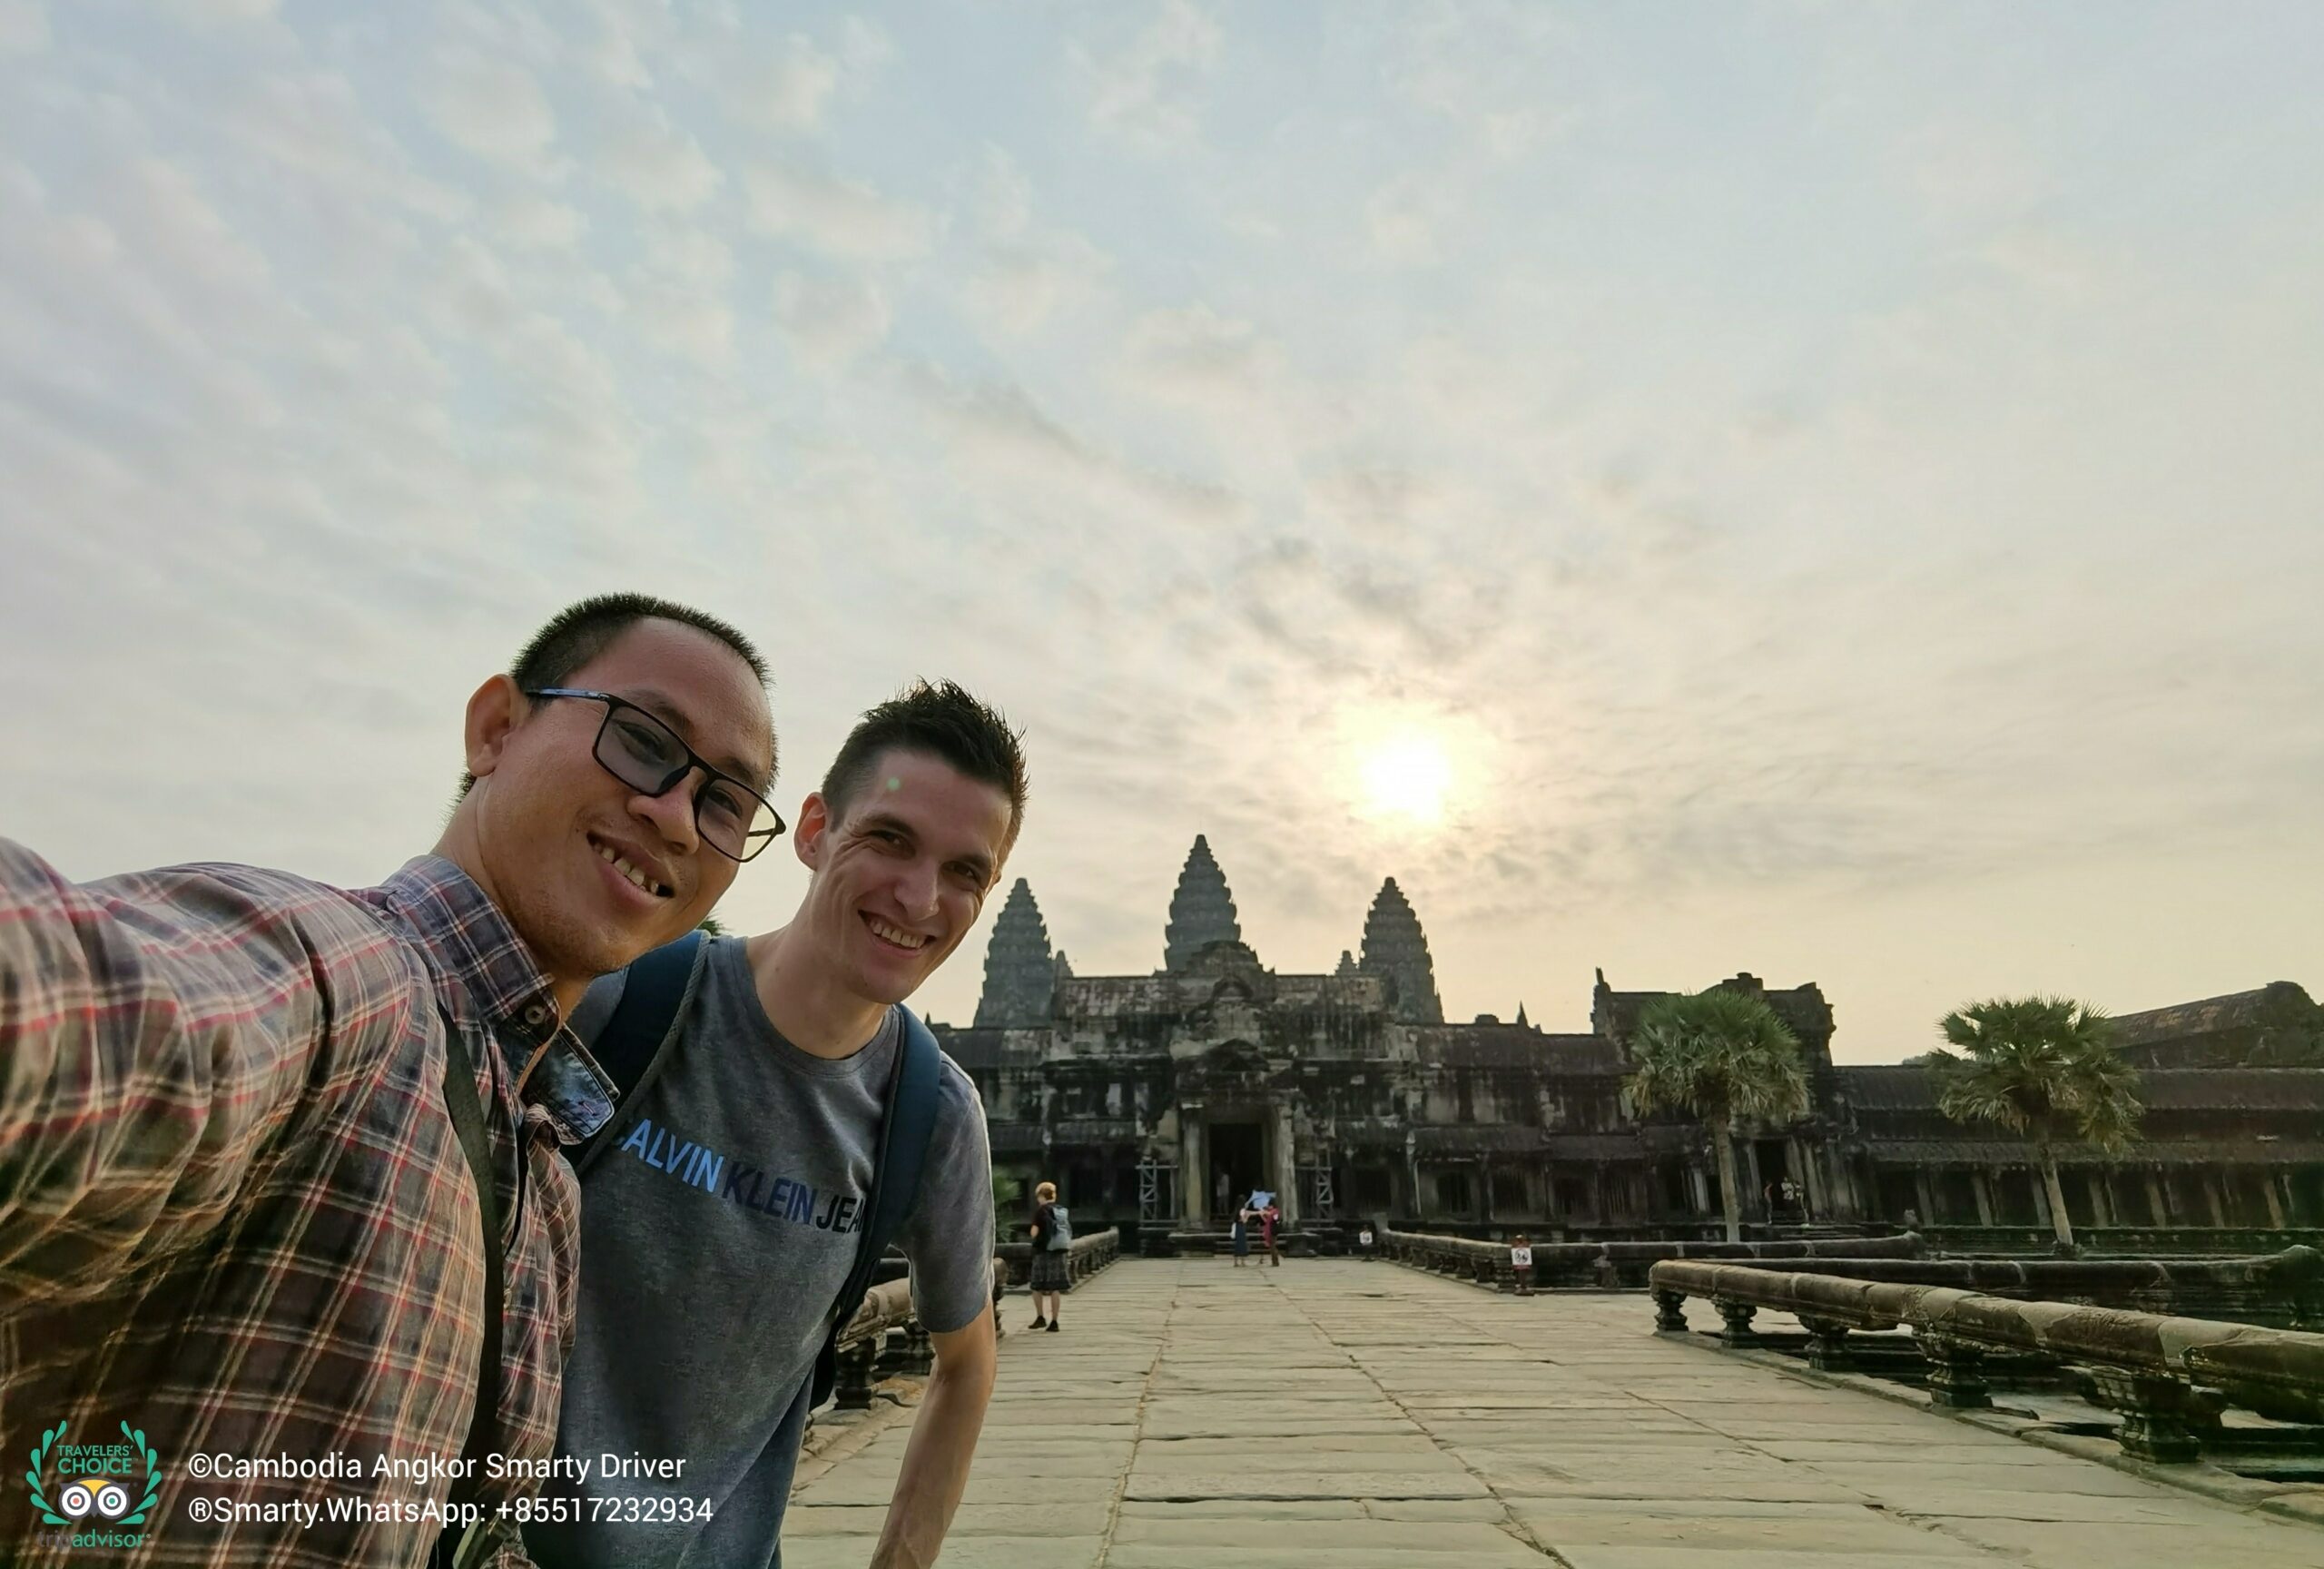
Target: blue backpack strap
905,1133
653,989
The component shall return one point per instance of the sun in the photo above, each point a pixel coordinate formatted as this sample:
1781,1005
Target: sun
1406,775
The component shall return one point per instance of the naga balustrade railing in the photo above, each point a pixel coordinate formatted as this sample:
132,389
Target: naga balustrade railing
2169,1378
1084,1257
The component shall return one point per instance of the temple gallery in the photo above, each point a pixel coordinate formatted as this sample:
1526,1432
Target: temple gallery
1160,1100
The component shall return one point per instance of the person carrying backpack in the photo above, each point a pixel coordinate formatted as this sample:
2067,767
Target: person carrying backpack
1052,1231
783,1117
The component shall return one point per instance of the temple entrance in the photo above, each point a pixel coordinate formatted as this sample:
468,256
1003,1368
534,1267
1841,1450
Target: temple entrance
1237,1165
1773,1156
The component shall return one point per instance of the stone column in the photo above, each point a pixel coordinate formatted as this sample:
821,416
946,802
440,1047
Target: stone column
2101,1205
1827,1350
1983,1186
1286,1167
1926,1190
2157,1204
1699,1189
1412,1172
2163,1420
1737,1316
1193,1180
1812,1181
2215,1195
1956,1372
2042,1202
2275,1201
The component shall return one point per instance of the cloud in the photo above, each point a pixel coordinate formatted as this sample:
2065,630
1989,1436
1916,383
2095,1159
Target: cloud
1028,273
1495,71
1403,217
681,296
1797,506
658,166
23,27
536,222
785,84
828,321
1194,351
841,218
493,108
1000,430
1021,287
225,12
795,86
1148,93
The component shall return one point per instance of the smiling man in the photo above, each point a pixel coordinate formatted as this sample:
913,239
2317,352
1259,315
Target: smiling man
720,1216
279,1162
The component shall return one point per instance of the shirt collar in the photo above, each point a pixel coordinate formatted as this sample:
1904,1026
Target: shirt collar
472,942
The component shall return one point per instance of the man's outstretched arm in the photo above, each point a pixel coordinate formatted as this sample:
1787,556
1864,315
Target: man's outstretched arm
943,1442
156,1031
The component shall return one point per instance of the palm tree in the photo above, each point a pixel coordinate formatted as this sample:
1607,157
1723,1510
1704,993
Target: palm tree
1720,1055
2045,1068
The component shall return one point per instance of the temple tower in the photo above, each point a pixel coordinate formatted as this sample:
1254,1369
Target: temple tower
1394,946
1018,970
1347,966
1202,912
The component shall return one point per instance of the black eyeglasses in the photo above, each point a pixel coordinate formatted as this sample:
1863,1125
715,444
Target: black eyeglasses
646,755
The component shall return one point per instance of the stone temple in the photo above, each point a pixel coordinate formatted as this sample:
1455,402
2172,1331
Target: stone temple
1159,1101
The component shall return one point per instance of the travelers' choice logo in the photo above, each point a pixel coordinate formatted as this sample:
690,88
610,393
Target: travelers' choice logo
94,1483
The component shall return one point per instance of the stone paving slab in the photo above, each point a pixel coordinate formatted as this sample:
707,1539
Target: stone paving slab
1353,1416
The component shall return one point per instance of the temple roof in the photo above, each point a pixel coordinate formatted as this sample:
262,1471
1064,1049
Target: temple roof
970,1046
1202,911
1395,947
1803,1007
2255,1151
1908,1087
1510,1046
2236,1010
1019,969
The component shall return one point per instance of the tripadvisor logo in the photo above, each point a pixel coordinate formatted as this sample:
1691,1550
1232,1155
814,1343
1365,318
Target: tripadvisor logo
100,1485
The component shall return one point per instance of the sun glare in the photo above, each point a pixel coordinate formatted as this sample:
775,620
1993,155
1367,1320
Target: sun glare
1407,776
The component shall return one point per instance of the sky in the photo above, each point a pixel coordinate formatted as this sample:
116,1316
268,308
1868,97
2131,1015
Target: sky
1828,490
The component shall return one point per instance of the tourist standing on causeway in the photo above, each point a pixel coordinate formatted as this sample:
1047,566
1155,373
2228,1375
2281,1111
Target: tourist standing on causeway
1050,1274
1242,1235
278,1169
731,1213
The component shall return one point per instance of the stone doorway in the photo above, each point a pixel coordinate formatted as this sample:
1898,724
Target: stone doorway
1237,1165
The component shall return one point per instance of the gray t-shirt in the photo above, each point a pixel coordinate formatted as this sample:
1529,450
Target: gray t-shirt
716,1234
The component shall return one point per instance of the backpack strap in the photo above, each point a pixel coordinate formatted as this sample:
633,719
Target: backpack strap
466,1110
905,1133
654,988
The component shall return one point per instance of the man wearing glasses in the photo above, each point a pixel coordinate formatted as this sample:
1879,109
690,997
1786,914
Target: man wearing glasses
280,1177
723,1210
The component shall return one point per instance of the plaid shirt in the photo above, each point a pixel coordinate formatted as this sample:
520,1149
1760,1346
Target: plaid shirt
233,1212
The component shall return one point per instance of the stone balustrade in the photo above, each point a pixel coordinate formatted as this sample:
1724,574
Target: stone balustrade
2122,1242
2283,1290
1084,1257
2169,1377
1613,1264
886,1336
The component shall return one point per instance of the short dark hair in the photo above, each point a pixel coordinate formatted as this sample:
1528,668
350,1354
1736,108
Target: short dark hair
581,631
945,722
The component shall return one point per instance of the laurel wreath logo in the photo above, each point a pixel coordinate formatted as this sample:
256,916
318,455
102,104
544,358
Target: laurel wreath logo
152,1475
49,1516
